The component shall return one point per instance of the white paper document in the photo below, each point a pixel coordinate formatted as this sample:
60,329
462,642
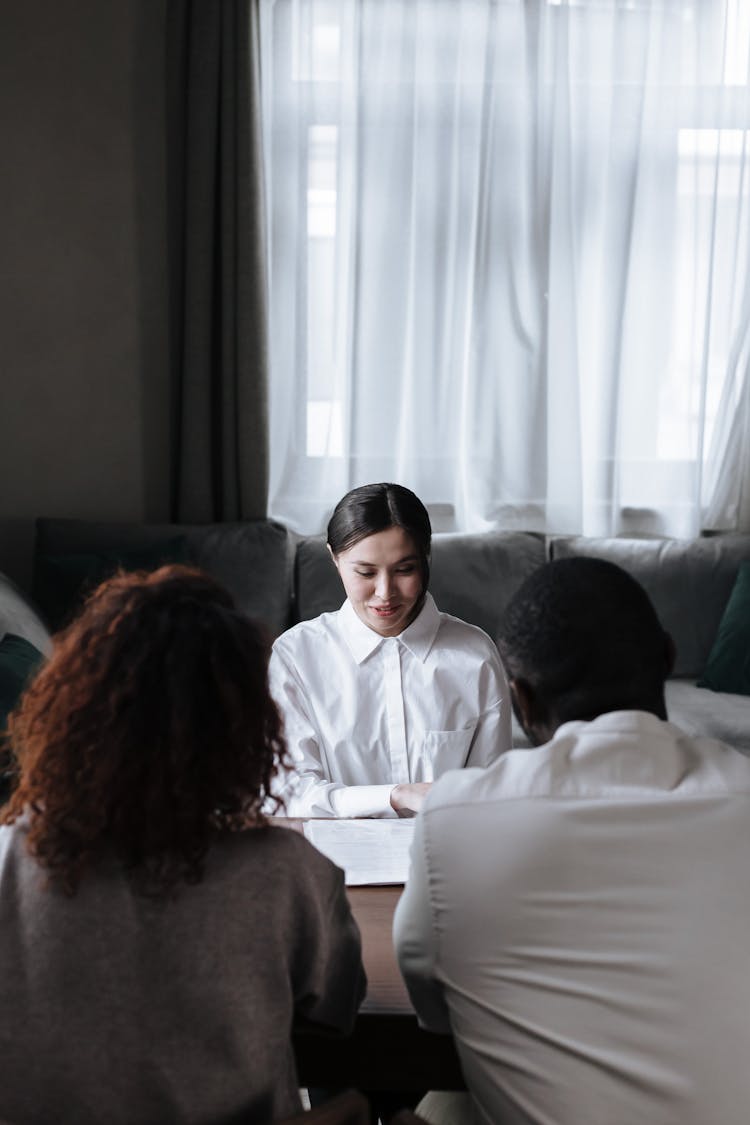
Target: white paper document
370,851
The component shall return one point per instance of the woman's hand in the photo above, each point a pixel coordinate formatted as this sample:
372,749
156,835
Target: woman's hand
407,799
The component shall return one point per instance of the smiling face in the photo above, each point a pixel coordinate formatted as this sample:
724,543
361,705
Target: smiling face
382,576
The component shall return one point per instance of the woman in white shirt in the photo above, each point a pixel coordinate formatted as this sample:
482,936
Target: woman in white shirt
386,693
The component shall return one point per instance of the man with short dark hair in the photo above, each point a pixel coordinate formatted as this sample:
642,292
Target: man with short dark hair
578,915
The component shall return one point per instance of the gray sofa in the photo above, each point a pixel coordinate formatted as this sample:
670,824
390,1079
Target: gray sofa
280,578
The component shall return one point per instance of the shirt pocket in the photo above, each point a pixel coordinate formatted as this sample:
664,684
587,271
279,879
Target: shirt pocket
444,750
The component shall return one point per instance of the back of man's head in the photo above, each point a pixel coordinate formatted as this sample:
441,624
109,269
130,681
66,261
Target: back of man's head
580,638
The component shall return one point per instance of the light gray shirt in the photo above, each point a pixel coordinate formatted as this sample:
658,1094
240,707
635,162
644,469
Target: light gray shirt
579,917
115,1008
363,712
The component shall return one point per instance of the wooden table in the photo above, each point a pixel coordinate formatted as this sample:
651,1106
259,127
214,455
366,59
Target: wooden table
387,1050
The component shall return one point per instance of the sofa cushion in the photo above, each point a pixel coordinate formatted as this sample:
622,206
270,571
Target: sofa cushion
728,667
252,559
65,580
317,586
709,714
689,582
471,576
18,616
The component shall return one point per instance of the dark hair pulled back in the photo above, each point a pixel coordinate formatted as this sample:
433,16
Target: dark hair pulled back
376,507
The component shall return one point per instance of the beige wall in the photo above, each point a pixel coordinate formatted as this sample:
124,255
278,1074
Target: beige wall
83,298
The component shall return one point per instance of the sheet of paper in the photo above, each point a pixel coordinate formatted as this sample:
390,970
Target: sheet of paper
370,851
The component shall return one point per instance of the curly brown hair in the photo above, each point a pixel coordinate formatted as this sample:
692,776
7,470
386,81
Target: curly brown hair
148,732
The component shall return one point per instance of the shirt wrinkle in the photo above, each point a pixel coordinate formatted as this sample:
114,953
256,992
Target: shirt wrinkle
363,712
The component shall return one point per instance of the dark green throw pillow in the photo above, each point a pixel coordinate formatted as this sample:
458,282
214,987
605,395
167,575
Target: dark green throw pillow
19,661
66,580
728,667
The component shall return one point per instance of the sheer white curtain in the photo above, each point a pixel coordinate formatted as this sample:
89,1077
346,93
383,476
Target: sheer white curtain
510,259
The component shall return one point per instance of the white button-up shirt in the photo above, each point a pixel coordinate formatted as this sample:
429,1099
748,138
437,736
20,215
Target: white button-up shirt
363,713
579,917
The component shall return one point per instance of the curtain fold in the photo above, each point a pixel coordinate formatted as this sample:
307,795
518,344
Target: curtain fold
217,262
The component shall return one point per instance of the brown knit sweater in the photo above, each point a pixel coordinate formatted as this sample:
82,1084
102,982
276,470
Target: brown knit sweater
121,1010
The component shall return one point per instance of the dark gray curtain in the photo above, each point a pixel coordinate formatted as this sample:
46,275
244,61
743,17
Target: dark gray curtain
217,262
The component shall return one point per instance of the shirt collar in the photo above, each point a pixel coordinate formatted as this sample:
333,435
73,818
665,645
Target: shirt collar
642,723
417,637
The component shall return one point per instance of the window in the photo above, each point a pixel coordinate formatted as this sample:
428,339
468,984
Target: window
509,257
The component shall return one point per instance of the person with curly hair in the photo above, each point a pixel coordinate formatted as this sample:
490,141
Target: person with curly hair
159,936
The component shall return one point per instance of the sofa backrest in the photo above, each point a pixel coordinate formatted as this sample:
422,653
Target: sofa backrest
278,577
472,576
252,559
688,580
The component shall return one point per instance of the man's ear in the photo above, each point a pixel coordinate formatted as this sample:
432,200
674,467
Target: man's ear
522,695
529,711
670,654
